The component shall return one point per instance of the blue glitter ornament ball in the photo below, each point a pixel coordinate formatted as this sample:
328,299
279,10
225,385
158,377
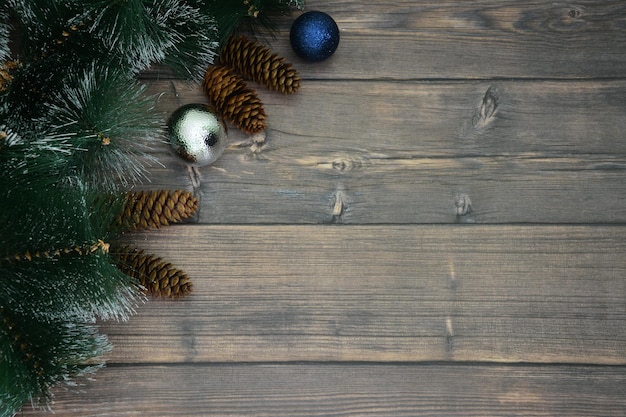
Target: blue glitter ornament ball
314,36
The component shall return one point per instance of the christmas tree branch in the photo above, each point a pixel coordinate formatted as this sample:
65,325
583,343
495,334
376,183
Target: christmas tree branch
98,247
37,354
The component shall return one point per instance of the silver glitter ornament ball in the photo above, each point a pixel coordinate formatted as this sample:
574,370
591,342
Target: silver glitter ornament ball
197,134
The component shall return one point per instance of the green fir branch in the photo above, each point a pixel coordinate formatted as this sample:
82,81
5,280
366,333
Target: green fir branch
71,282
28,161
197,39
4,32
36,354
109,123
251,16
44,217
145,32
49,26
54,259
130,34
100,120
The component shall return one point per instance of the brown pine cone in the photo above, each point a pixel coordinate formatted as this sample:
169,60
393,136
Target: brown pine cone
159,278
6,76
236,102
153,209
257,62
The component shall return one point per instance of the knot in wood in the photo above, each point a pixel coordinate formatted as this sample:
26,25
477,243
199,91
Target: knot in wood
346,164
573,13
486,112
462,204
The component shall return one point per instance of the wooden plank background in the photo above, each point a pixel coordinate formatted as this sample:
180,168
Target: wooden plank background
435,225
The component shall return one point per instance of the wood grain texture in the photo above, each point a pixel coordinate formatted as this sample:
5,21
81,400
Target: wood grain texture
409,152
385,293
347,390
337,271
452,39
480,39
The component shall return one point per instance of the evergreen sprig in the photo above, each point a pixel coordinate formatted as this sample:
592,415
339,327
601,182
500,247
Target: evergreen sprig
4,32
155,31
247,15
54,259
35,354
98,119
27,162
108,122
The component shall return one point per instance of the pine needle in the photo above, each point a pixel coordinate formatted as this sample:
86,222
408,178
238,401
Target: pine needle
109,123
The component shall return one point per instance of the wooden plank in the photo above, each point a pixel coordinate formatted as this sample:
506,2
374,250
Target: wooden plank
427,119
405,39
347,390
413,190
385,293
511,148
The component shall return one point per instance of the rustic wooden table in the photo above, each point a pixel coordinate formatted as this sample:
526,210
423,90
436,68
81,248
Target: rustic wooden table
435,225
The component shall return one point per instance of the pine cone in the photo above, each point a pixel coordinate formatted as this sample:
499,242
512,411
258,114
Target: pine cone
6,76
3,134
256,62
153,209
159,278
236,102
